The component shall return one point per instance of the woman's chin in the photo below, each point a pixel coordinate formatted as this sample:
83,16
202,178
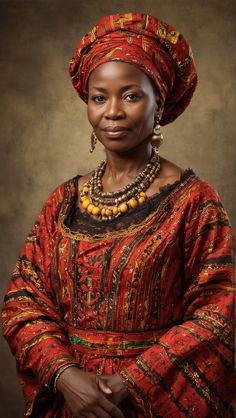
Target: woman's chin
119,148
123,146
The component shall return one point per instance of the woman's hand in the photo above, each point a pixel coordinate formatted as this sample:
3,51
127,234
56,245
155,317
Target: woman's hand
117,386
84,397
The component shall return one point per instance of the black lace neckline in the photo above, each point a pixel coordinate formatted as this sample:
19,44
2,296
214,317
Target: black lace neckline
82,222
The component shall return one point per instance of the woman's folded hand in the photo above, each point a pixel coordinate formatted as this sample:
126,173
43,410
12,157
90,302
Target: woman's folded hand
86,394
117,386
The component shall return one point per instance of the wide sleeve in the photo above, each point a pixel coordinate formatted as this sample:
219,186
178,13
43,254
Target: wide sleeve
189,371
32,324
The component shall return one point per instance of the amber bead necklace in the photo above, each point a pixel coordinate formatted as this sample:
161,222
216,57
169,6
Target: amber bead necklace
109,205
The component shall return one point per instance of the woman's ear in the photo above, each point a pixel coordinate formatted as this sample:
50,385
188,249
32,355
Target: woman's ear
159,102
158,114
160,107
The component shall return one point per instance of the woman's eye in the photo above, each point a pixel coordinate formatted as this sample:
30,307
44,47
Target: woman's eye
98,99
132,97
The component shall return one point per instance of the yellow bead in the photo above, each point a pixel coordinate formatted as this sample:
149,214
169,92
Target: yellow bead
83,198
142,194
115,210
90,208
108,212
133,202
86,189
141,200
85,203
123,207
103,211
96,211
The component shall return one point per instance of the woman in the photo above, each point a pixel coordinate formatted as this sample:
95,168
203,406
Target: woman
121,302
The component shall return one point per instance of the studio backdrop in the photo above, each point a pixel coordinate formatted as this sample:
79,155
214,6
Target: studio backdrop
45,135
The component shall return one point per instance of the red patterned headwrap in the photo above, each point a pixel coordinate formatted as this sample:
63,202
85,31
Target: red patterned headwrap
150,44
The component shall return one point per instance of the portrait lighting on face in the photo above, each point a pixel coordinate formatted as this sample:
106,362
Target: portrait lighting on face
150,44
121,303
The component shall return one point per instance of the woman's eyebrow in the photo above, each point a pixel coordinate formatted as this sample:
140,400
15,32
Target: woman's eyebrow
124,88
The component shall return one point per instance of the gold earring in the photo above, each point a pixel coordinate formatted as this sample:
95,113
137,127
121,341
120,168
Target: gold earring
157,137
93,141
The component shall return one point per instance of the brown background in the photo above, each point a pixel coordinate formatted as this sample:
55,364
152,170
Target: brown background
44,133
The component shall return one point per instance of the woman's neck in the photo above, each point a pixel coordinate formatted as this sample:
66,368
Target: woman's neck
122,168
128,163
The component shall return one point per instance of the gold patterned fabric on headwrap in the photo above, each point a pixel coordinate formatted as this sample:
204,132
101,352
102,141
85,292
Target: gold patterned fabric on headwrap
150,44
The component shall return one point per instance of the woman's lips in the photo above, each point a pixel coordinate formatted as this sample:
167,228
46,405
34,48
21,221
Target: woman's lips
115,131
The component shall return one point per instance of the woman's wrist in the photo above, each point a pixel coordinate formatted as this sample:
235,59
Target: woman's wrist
118,387
124,387
62,371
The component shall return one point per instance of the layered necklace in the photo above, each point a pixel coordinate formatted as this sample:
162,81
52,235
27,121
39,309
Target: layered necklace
109,205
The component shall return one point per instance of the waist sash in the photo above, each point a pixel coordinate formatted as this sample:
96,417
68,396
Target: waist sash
112,344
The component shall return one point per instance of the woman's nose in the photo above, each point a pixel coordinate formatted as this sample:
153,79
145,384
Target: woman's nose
114,109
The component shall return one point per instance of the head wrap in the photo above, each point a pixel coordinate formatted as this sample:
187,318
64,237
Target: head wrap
150,44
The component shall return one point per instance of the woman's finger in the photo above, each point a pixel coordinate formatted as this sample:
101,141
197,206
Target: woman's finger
88,415
103,386
100,413
111,408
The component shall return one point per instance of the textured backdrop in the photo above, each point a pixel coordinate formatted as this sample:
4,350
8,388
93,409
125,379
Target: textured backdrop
44,131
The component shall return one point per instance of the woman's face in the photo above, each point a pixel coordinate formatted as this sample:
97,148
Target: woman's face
121,106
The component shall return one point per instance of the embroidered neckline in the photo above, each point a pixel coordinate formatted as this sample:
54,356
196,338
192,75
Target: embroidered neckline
145,213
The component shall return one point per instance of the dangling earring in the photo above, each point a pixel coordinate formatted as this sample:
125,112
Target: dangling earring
93,141
157,137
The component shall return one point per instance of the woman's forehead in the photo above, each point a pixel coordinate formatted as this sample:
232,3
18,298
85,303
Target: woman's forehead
117,72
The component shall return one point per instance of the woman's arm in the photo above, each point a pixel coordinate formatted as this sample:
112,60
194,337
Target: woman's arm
36,331
32,324
189,372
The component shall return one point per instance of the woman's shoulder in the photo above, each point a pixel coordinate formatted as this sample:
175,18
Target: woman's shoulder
181,182
195,198
172,173
63,192
201,190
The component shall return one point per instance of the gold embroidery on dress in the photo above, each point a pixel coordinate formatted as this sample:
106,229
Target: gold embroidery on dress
132,229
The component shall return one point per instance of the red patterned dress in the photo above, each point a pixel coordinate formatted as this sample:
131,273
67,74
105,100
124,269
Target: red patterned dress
148,296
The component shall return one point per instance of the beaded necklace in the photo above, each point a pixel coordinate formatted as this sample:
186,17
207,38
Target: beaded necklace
109,205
